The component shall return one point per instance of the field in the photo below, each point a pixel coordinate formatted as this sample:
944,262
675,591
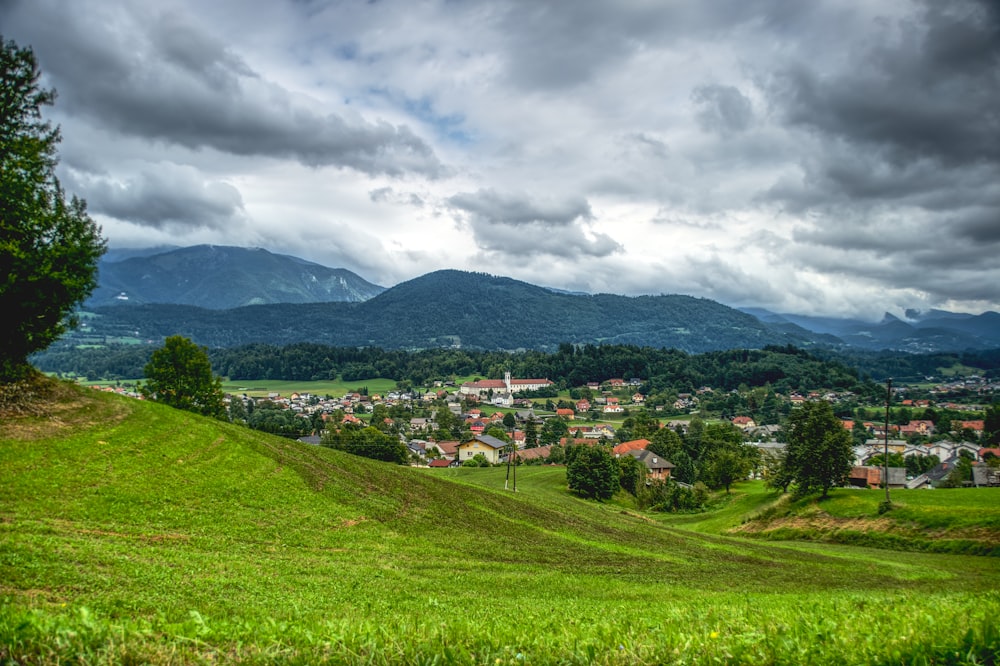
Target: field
134,533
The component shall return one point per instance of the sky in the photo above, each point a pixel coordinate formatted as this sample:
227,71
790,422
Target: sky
830,157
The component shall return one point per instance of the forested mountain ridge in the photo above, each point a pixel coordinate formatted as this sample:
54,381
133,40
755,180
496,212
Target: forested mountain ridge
221,277
454,308
457,309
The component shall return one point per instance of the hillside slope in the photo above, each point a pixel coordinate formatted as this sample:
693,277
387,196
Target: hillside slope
130,532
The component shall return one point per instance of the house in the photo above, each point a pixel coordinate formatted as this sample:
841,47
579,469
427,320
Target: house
863,476
537,453
867,476
975,426
983,475
439,462
420,424
583,405
627,447
638,398
448,450
657,467
878,445
744,423
567,414
487,445
599,431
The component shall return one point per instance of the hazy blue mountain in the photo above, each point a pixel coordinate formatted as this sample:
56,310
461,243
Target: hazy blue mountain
221,277
924,332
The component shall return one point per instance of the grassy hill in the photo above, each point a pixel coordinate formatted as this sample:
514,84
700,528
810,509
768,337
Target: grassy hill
960,520
130,532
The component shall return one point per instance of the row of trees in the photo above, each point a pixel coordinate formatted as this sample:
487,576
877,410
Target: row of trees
818,457
665,371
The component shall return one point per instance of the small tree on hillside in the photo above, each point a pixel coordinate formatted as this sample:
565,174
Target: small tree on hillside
179,374
818,455
592,472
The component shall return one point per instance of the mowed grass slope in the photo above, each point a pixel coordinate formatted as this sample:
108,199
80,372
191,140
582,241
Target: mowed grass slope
131,532
956,520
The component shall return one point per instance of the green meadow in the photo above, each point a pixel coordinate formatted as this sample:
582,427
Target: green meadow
133,533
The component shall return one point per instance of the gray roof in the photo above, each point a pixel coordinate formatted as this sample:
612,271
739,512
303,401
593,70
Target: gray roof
490,440
651,460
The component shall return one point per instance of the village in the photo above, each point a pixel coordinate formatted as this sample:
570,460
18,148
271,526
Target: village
495,420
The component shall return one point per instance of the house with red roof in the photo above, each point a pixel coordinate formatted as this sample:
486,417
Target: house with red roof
633,445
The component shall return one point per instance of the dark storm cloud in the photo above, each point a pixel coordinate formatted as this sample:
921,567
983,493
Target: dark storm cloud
518,224
722,109
554,45
901,159
164,198
161,78
929,89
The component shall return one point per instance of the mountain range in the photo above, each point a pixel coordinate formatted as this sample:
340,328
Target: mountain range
222,277
226,296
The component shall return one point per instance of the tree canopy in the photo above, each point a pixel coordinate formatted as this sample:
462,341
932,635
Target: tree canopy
818,453
592,472
179,374
49,248
369,442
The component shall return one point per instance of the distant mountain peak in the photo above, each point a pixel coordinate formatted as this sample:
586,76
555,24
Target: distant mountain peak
222,277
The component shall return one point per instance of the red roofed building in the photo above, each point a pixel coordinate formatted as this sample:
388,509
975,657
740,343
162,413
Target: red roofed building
633,445
567,414
975,426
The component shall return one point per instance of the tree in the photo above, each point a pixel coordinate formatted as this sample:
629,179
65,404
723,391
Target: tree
368,442
592,472
531,433
666,443
49,248
991,425
179,374
818,454
631,473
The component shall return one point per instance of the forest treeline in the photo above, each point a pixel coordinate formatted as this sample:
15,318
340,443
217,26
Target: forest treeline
783,368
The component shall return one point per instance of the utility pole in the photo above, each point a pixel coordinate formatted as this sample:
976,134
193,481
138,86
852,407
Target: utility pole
885,459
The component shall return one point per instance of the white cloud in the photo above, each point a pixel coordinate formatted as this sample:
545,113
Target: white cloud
825,157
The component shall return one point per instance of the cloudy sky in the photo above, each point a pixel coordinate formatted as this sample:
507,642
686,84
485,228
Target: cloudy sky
826,157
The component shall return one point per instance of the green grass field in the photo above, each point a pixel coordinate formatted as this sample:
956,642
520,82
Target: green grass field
960,520
133,533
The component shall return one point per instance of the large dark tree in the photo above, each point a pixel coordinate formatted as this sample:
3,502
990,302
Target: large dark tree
179,374
592,472
49,248
818,454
